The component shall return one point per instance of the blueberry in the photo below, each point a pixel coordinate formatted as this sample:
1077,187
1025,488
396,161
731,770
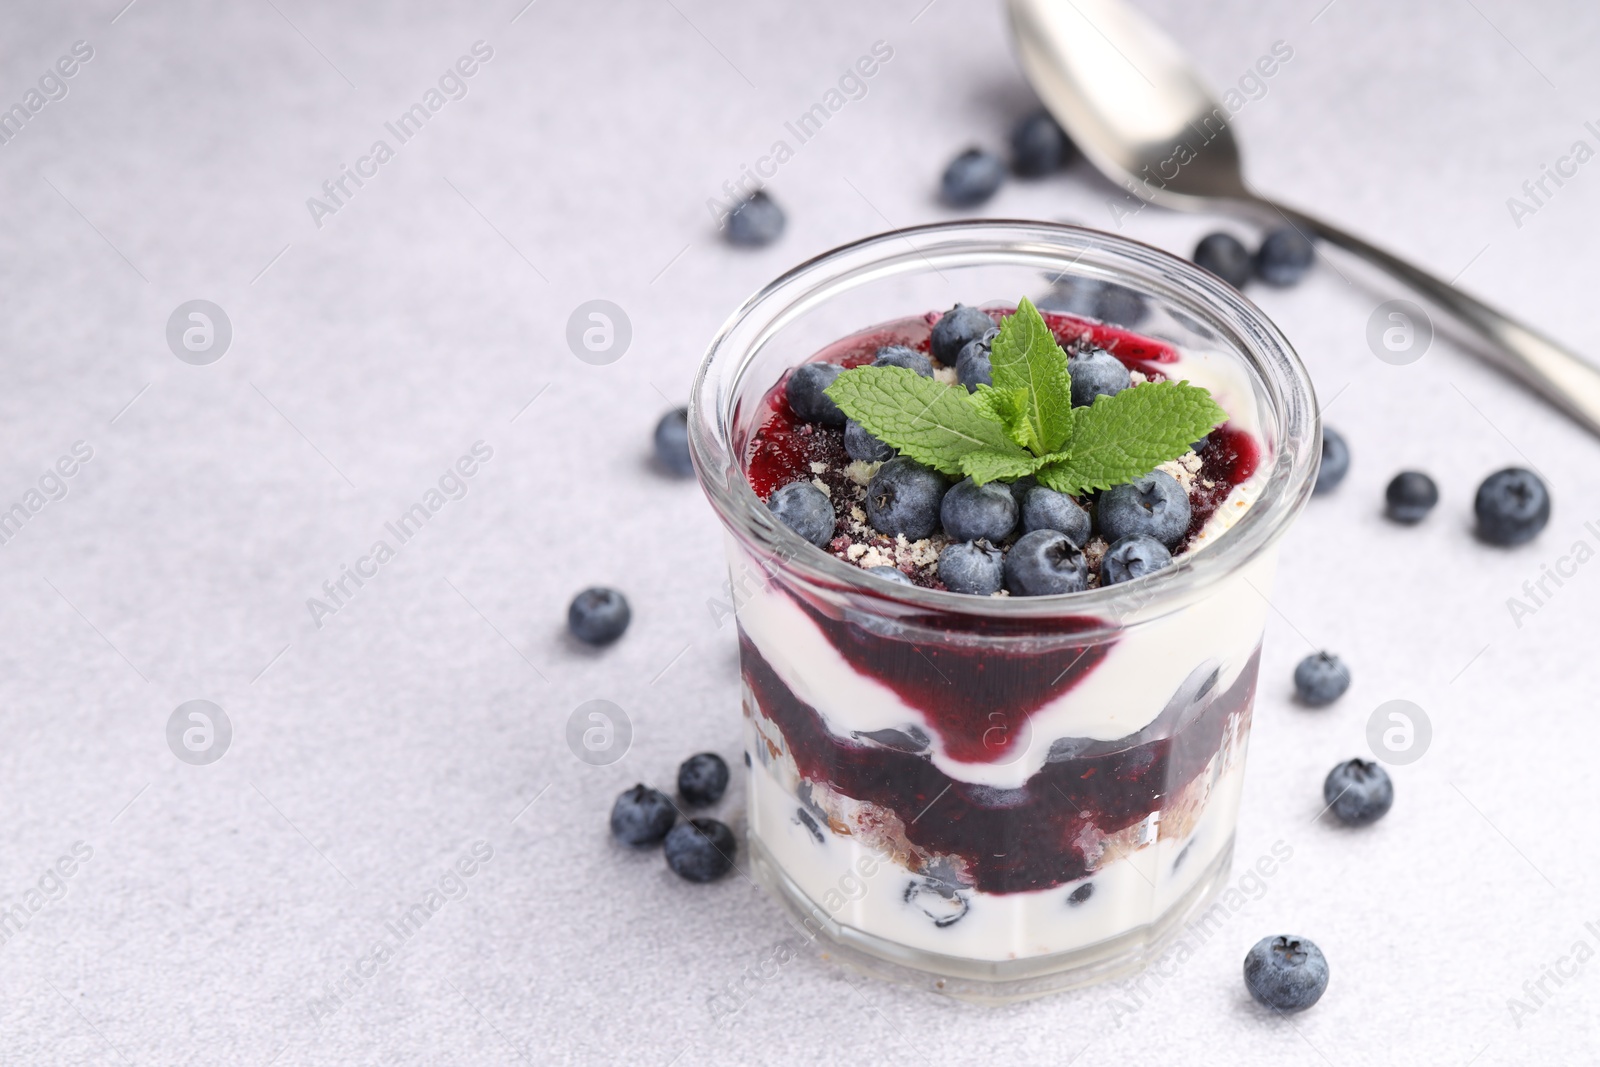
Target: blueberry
1133,557
955,328
642,816
1046,509
1155,505
805,392
903,498
1320,679
755,222
901,356
1335,462
1284,256
1225,255
975,567
860,444
597,616
1512,507
1120,306
1044,563
1039,145
700,850
702,779
1358,792
971,511
1081,894
1096,373
1410,496
1286,973
971,178
891,574
972,366
806,510
672,442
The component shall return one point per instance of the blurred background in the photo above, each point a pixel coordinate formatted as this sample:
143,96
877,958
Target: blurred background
218,903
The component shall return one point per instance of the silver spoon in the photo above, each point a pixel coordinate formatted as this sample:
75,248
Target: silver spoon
1127,96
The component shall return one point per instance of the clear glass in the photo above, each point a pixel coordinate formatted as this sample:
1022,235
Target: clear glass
997,797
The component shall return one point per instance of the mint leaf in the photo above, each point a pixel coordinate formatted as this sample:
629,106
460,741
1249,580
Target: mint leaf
1025,356
933,423
1008,407
984,467
1119,438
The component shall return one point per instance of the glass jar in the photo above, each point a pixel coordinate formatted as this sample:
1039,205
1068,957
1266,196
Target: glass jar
998,797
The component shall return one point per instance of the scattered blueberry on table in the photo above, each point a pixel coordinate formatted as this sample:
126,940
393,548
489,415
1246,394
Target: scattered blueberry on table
642,816
1335,462
598,615
756,222
1039,145
806,510
1284,257
1512,506
702,779
1225,255
1409,497
672,442
1320,679
1286,973
700,850
971,178
1358,792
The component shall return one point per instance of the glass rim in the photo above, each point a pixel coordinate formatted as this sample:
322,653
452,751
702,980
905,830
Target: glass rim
1241,326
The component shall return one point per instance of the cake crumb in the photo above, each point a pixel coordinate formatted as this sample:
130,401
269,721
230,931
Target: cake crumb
819,468
1185,469
1138,377
860,471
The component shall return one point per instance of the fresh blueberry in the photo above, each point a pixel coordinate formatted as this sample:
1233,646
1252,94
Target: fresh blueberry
1335,462
955,328
901,356
903,498
1081,894
1155,505
1410,496
1225,255
860,444
1096,373
971,178
597,616
1039,145
1284,256
1286,973
1320,679
702,779
971,511
806,395
672,442
1019,490
700,850
806,510
972,366
891,574
1120,306
642,816
1512,507
1046,562
1358,792
1133,557
1046,509
755,222
975,567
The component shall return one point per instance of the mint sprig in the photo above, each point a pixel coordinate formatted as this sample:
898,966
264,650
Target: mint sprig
1025,423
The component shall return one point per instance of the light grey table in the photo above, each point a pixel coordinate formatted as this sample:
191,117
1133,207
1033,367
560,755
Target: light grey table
228,912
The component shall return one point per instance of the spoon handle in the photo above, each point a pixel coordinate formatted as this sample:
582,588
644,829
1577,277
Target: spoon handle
1555,372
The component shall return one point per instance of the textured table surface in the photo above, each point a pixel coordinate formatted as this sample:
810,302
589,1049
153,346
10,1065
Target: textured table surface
214,913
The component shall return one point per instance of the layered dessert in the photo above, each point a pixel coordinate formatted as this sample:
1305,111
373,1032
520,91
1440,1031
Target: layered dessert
934,779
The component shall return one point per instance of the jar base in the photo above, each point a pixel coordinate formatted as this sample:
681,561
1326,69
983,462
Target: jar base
983,981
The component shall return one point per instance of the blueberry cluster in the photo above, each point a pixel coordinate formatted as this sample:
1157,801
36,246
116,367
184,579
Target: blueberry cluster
697,850
1038,147
1019,536
1285,256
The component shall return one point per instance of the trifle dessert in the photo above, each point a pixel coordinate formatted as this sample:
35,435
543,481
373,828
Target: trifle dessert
1010,573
